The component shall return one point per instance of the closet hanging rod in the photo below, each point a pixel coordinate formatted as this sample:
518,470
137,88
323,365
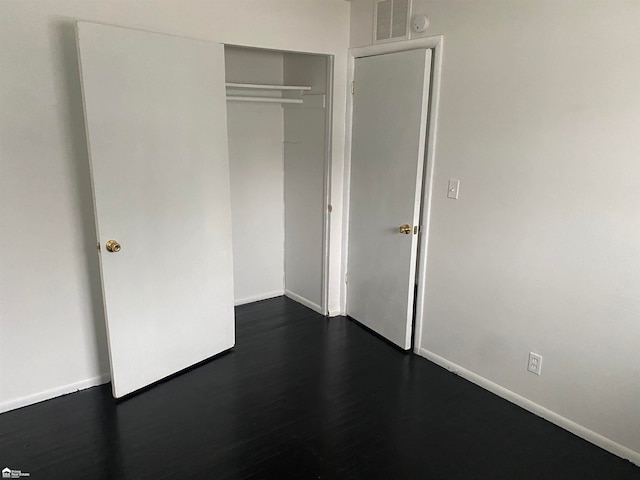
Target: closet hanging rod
263,99
257,86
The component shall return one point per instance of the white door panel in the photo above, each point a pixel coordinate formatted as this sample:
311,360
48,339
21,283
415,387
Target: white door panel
387,157
155,112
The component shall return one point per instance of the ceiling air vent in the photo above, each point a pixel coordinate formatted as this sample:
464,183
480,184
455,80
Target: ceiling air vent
391,17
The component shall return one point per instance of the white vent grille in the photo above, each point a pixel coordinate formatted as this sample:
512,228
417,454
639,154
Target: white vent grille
391,18
399,18
383,20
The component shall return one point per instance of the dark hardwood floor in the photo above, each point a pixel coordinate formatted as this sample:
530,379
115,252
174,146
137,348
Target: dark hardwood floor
300,397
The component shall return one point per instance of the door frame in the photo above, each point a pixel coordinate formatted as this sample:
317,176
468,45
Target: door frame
328,155
436,44
327,169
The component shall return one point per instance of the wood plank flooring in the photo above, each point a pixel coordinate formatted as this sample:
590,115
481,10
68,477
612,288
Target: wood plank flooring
300,397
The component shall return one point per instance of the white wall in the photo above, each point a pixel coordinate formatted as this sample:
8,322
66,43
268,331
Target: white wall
257,180
540,121
51,321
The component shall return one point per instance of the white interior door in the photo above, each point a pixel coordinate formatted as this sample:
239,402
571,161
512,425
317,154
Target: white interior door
387,157
157,132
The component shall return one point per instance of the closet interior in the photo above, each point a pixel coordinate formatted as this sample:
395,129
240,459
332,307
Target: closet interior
277,119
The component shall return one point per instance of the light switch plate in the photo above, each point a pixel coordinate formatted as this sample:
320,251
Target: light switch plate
454,188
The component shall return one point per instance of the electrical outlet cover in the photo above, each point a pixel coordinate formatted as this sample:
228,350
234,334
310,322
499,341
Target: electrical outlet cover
535,363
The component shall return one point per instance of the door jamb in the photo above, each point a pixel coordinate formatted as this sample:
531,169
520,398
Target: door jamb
327,186
436,43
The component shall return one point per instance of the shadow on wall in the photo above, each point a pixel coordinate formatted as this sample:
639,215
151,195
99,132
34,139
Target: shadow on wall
63,38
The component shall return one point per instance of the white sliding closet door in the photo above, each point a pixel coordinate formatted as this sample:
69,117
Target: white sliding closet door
156,125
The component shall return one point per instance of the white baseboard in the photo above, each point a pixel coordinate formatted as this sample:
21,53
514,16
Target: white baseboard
335,312
556,419
54,392
304,301
257,298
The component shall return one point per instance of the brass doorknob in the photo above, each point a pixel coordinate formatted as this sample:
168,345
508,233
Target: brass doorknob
406,229
113,246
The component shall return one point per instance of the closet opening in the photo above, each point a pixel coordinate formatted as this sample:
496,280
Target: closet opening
279,133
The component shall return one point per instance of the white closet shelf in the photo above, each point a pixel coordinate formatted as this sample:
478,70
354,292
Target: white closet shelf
246,98
257,86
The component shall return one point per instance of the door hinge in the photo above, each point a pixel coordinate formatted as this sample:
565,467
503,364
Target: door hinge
330,208
346,278
353,87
